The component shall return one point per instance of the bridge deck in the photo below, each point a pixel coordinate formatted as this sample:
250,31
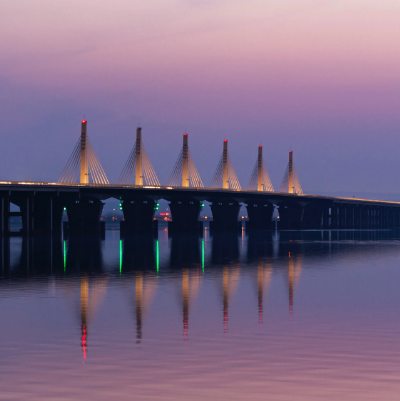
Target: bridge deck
105,191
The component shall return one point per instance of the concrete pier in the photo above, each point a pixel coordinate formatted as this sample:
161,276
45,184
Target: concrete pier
225,215
185,215
84,216
138,216
260,215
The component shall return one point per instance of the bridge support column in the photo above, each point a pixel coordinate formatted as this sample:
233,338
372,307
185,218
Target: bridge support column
260,216
310,216
225,216
138,216
359,217
335,216
366,217
26,206
4,255
84,216
43,215
4,214
341,216
349,217
47,213
57,216
391,217
326,215
291,216
313,215
185,215
397,217
4,232
374,217
384,217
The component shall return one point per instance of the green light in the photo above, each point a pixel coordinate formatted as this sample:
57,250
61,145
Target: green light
65,208
120,256
202,255
65,257
157,257
156,205
202,204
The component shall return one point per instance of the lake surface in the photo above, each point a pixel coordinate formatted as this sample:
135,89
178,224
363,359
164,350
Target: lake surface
261,316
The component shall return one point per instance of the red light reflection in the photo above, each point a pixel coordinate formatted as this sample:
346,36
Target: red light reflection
84,341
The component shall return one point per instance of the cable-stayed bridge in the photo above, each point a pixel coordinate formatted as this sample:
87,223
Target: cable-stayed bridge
83,185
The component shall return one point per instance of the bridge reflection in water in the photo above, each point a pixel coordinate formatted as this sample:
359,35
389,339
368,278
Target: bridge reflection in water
140,265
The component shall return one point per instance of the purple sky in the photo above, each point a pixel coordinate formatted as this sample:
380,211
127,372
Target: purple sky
319,77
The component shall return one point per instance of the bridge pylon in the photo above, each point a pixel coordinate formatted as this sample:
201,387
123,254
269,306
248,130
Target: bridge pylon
290,182
83,163
84,174
138,169
260,212
293,213
185,173
225,176
259,179
225,211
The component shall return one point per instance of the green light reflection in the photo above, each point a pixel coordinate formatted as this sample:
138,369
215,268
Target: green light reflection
65,256
120,256
202,255
157,257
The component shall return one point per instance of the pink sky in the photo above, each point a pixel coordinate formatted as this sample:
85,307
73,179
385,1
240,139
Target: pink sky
320,77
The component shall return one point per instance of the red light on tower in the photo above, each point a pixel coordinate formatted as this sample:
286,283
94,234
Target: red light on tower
84,121
260,146
225,140
184,134
290,151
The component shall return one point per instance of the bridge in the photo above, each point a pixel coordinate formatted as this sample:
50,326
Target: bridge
83,186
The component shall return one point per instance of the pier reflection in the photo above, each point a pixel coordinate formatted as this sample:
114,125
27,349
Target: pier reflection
92,293
145,290
138,253
84,256
139,265
225,254
185,251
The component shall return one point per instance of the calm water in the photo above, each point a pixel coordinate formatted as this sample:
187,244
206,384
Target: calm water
270,316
